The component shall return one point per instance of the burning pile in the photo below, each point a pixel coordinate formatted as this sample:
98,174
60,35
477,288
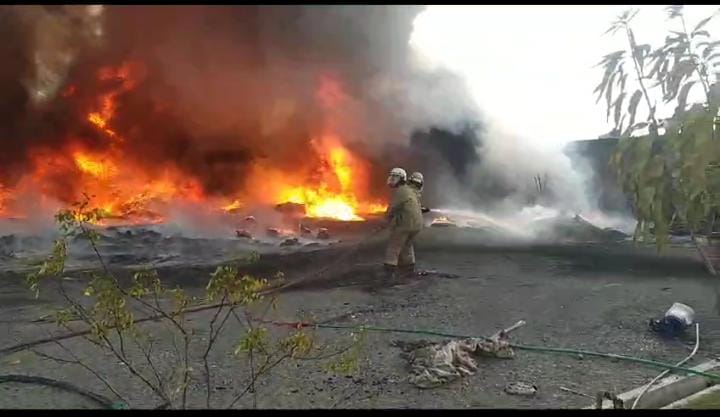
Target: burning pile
98,154
149,110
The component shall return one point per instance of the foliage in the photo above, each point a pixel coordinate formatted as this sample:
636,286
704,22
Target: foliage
671,176
109,310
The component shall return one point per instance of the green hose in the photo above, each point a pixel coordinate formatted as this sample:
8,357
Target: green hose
647,362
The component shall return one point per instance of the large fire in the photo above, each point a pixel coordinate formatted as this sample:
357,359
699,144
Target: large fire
334,196
129,192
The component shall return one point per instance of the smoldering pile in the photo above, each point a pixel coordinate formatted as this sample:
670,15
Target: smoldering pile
534,225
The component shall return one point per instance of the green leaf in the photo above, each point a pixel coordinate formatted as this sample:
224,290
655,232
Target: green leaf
254,339
618,109
681,71
610,67
680,35
640,52
622,82
608,96
709,45
632,107
612,56
703,22
659,58
682,96
632,15
706,53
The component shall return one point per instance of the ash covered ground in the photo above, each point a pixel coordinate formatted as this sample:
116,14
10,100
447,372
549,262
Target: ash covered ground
586,288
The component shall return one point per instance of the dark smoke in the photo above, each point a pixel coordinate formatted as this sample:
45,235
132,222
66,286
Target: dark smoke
16,57
458,149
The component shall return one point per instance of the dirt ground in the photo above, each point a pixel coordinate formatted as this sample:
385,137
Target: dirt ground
587,296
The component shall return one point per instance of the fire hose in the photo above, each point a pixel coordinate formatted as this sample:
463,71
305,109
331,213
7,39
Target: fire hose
38,380
540,349
353,250
665,372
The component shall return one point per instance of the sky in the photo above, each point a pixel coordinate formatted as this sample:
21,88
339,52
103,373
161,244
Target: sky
531,68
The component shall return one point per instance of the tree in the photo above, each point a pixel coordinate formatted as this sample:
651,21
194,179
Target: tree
107,311
672,176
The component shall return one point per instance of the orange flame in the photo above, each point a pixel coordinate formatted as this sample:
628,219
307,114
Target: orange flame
4,193
102,117
95,167
335,196
130,193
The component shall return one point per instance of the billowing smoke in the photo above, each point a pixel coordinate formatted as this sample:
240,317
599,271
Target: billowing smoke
216,86
215,91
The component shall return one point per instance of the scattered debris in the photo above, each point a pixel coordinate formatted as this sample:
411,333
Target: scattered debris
272,232
442,222
250,219
435,364
678,318
243,234
290,242
521,388
304,231
323,233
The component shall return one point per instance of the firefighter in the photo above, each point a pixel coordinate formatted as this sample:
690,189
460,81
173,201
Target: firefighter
405,222
416,181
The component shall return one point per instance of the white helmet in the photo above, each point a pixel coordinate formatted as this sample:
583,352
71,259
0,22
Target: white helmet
396,176
417,178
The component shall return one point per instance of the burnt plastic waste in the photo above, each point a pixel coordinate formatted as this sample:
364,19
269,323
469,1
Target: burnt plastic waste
675,321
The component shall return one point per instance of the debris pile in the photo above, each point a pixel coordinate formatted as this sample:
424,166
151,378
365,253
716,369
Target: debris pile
576,229
436,364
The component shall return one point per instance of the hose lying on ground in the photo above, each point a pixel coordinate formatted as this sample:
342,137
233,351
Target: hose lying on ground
541,349
575,352
665,372
38,380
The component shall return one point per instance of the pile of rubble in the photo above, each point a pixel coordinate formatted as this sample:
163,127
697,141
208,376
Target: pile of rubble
435,364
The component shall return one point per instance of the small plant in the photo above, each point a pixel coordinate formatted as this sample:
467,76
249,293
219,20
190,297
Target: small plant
671,175
109,309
